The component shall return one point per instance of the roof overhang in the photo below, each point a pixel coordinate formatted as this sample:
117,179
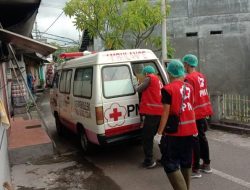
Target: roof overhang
19,15
35,56
26,43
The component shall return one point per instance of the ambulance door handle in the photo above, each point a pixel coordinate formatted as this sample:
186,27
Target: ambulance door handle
67,100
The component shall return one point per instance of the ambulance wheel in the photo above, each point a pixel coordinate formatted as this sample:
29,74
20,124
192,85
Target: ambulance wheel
59,126
86,146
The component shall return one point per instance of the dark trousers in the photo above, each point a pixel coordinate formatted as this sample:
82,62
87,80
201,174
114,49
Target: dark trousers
200,145
177,152
150,127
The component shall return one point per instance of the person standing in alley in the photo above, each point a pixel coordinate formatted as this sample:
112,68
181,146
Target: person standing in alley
151,109
203,109
30,81
177,99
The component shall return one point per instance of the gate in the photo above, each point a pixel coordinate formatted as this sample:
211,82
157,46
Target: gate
235,107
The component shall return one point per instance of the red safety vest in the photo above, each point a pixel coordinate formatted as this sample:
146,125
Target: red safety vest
151,97
202,104
187,126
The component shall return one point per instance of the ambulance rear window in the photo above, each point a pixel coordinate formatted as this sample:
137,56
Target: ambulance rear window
117,81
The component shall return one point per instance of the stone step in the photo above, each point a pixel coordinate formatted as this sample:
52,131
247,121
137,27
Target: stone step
231,127
27,141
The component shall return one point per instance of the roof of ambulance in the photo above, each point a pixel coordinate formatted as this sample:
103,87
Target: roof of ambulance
109,57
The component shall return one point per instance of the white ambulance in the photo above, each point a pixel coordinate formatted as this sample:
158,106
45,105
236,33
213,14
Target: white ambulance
93,95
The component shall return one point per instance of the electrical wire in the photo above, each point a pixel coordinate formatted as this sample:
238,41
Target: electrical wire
59,36
53,22
63,41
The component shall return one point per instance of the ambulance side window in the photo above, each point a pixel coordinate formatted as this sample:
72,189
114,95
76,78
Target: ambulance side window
65,81
117,81
82,86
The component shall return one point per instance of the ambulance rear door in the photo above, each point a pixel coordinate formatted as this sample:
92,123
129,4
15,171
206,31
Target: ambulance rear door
120,100
65,98
54,93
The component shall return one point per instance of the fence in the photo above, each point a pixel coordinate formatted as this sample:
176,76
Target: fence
235,107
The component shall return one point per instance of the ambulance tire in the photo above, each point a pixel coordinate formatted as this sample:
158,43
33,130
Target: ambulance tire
59,126
86,146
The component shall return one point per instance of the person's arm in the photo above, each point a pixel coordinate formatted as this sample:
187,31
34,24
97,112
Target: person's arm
166,101
145,83
164,118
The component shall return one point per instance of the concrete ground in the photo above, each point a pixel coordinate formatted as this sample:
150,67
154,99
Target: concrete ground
35,167
112,169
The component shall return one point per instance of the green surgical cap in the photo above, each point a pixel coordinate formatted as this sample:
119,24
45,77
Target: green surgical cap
190,60
148,69
175,68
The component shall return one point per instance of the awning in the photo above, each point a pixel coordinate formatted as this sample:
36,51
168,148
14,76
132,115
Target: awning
26,43
34,56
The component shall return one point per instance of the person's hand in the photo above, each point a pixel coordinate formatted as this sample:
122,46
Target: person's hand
195,135
135,81
157,138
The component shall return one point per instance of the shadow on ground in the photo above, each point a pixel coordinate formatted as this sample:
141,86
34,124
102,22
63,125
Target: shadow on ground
63,172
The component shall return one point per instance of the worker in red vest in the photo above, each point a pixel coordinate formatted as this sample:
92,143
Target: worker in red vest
177,99
202,109
151,109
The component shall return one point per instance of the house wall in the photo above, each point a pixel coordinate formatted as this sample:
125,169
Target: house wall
4,159
223,57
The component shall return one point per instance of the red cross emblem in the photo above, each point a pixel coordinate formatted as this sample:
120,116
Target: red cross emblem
115,115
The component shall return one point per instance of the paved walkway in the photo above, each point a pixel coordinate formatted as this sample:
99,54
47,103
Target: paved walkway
27,139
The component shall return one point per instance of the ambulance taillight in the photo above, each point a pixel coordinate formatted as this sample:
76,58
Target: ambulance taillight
99,115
